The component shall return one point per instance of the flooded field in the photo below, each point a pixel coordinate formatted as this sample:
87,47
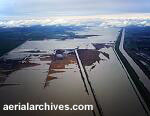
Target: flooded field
49,71
42,78
110,83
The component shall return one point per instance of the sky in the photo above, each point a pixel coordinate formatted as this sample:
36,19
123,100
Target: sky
71,7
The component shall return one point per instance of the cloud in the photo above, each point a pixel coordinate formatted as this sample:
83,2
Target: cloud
71,7
102,20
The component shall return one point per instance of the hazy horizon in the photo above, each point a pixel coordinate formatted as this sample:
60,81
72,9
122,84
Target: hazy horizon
48,8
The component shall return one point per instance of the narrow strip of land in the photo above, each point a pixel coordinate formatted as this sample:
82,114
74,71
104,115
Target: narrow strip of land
140,73
97,107
133,75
